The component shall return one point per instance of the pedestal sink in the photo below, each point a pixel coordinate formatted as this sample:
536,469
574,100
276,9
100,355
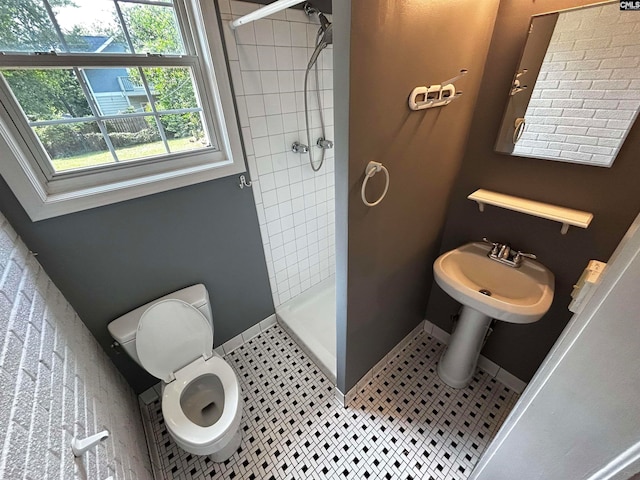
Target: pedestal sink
487,290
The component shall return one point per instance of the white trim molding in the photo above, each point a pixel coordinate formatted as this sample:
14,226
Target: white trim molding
45,195
345,399
492,369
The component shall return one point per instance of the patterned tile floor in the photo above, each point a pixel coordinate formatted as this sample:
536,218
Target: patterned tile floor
406,424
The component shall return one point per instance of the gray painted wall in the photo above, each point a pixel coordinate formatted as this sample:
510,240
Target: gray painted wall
391,247
109,260
611,194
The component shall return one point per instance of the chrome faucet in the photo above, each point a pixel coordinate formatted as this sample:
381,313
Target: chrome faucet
495,247
517,259
324,143
503,253
298,147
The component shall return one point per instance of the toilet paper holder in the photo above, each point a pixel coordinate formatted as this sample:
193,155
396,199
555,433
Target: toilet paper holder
80,447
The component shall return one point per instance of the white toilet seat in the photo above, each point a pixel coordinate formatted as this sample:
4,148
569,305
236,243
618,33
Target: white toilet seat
193,437
171,334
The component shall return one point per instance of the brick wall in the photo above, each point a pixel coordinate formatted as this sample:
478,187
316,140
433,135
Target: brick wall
295,205
56,382
588,90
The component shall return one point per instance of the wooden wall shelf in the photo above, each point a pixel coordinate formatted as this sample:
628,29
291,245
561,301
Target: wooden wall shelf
566,216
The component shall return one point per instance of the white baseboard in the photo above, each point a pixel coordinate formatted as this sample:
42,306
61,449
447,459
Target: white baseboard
488,366
156,465
244,337
389,358
511,381
493,369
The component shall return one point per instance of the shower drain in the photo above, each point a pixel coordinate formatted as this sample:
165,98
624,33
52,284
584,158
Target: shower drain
486,292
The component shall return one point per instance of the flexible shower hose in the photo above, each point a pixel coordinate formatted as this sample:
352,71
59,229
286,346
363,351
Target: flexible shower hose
306,109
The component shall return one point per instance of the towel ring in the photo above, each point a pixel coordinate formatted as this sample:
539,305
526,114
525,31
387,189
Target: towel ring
519,126
371,169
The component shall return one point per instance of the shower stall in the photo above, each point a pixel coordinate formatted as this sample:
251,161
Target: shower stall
282,70
310,318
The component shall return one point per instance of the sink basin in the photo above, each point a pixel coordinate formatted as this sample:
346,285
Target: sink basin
516,295
487,290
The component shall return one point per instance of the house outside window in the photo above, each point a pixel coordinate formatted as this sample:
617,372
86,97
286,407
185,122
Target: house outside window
104,100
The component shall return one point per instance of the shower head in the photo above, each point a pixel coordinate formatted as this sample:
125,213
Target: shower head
324,23
327,35
325,41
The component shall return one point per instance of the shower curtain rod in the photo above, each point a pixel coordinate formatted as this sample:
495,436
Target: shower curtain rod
264,12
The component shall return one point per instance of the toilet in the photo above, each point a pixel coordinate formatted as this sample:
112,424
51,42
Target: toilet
172,338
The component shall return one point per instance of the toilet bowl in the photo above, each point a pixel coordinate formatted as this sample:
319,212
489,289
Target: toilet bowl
202,408
201,397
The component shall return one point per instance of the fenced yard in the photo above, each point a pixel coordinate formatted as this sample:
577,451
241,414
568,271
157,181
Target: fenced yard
128,125
128,153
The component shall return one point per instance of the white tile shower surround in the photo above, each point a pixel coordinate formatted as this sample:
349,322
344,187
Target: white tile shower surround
295,206
405,424
56,382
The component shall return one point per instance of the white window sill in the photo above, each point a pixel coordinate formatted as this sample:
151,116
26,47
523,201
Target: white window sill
40,205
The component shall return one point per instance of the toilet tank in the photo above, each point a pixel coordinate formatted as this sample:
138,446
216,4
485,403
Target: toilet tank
124,328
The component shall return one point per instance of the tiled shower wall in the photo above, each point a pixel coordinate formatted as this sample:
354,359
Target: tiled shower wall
295,205
588,90
56,382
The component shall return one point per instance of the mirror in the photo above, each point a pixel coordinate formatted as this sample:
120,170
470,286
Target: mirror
576,92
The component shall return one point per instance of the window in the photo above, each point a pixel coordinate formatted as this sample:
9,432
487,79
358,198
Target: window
105,100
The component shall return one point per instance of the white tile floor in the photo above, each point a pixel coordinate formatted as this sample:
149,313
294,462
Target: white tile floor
406,424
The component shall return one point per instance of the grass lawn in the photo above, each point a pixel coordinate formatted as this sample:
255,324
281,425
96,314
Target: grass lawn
128,153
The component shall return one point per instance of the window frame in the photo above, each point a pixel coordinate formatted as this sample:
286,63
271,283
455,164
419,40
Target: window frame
45,193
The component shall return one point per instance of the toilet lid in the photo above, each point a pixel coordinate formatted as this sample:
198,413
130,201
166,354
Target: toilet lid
172,334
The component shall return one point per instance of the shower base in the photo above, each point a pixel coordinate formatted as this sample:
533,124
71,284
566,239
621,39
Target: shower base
310,318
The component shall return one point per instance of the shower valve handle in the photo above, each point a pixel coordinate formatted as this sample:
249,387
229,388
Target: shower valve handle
324,143
298,147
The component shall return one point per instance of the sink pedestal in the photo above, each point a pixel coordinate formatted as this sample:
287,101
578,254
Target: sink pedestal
488,290
458,363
